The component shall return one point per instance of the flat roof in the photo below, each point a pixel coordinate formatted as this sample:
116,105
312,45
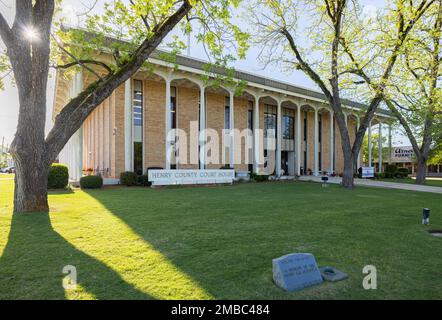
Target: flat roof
199,64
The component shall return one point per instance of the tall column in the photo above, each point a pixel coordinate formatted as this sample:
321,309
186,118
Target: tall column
380,147
332,141
79,82
278,140
316,144
168,125
128,139
232,130
369,145
202,135
298,140
389,143
358,161
257,146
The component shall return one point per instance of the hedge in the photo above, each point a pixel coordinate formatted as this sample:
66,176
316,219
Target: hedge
128,178
143,180
91,182
58,177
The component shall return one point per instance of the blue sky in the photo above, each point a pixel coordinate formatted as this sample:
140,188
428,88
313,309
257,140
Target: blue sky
9,99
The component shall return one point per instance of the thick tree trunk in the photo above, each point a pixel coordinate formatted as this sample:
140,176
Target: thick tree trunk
31,180
348,174
421,172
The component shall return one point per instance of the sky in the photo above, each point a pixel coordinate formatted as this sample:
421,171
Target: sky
71,8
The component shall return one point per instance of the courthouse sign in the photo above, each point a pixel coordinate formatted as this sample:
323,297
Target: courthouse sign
402,154
170,177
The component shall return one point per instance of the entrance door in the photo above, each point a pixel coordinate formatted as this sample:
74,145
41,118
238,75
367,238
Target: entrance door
285,162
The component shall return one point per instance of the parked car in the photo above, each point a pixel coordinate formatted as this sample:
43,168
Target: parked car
8,170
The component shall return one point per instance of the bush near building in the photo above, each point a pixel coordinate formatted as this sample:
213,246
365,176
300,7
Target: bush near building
91,182
128,178
58,177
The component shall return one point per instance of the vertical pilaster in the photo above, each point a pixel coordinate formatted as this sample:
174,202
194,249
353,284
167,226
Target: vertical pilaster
358,161
257,145
380,147
128,138
298,140
369,145
332,141
278,139
168,125
316,144
202,135
232,130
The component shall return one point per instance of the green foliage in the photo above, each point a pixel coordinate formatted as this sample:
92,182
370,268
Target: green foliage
259,177
58,177
402,173
391,171
91,182
143,180
123,26
128,178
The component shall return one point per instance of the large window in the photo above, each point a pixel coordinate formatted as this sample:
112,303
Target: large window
288,124
173,107
227,113
138,126
269,121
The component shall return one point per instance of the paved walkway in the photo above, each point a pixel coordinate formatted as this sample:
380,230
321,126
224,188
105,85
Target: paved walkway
378,184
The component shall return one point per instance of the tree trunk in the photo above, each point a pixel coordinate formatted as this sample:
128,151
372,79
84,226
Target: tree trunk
421,172
31,180
348,174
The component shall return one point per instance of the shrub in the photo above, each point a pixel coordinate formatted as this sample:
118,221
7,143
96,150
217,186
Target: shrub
128,178
225,167
259,177
143,180
91,182
58,177
390,171
402,173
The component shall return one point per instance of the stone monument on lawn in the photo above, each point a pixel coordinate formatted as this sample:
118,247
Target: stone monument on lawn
296,271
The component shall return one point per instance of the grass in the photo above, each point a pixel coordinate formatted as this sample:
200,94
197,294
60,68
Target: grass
435,182
218,242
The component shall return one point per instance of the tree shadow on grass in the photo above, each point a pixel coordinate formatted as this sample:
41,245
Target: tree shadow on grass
33,259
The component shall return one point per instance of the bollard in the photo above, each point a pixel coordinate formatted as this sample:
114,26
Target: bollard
426,216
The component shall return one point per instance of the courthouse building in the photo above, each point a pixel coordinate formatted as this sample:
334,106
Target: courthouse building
128,131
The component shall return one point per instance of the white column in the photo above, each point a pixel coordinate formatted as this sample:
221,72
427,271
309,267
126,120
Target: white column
298,140
278,140
369,145
78,89
232,131
168,124
128,138
257,146
380,147
202,127
389,143
316,144
332,141
358,161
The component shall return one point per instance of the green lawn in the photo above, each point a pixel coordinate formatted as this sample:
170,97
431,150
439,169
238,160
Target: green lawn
437,182
218,242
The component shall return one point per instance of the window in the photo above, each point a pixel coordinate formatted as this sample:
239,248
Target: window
250,116
227,114
137,115
269,121
288,124
173,107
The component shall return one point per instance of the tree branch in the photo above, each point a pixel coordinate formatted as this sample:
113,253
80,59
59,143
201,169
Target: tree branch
6,32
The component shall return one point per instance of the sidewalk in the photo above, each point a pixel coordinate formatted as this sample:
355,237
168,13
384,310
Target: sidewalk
378,184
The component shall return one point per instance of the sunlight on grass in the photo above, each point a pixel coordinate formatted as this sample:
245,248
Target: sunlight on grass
83,222
110,240
95,231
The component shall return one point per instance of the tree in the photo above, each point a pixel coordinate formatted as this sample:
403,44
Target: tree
344,51
144,24
415,96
